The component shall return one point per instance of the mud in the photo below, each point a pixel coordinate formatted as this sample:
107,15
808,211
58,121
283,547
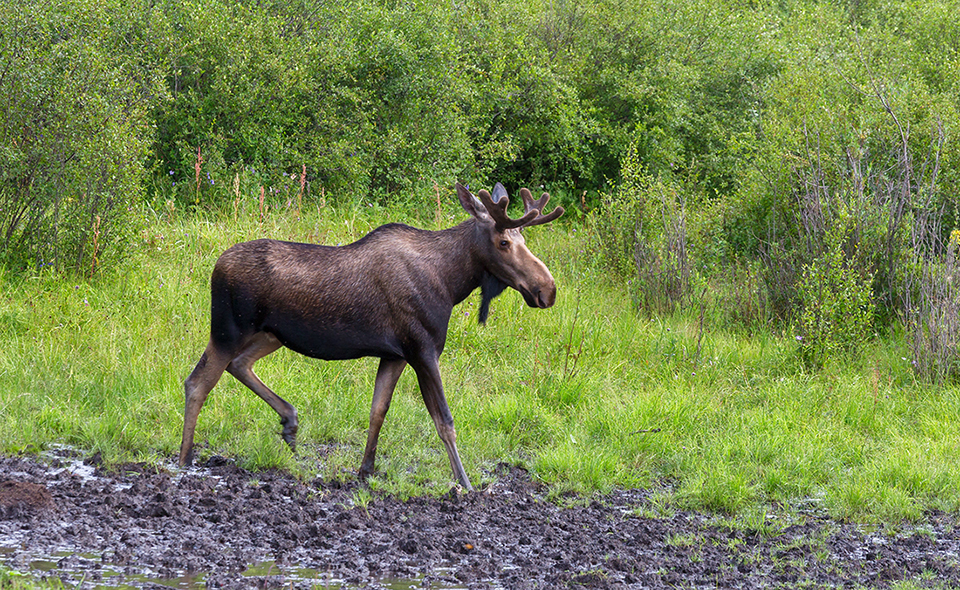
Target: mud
219,526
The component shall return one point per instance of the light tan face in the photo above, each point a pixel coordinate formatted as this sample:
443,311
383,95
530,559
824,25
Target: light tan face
512,262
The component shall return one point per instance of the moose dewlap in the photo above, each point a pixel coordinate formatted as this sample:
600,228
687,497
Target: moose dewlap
388,295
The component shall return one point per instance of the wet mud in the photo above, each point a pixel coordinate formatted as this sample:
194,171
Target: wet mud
218,526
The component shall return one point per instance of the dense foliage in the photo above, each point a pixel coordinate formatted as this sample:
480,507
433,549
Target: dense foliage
74,131
712,143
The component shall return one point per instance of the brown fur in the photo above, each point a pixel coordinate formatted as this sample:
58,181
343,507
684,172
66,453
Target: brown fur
389,295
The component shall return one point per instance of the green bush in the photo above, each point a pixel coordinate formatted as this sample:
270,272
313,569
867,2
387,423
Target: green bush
388,98
855,124
836,308
642,234
75,129
364,96
932,315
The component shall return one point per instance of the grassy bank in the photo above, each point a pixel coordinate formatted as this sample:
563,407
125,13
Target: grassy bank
587,395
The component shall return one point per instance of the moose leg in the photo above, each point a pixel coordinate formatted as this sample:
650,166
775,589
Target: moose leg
428,375
388,373
195,390
241,367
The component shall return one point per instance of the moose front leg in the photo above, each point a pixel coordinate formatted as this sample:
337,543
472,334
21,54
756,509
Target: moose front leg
387,376
428,375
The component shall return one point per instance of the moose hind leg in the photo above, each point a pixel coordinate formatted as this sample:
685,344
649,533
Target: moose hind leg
241,367
195,391
388,373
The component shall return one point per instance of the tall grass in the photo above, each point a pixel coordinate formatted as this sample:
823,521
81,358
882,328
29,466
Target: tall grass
586,395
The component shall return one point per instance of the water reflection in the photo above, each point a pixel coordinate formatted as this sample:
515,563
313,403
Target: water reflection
86,571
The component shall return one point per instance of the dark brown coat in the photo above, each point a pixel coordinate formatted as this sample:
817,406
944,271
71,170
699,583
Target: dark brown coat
388,295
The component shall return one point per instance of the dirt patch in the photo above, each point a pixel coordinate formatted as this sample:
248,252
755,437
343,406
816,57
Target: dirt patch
18,498
222,527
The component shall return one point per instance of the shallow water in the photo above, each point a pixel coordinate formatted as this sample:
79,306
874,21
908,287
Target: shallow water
113,578
89,571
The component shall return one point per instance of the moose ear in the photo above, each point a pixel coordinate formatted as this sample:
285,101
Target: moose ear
498,192
470,203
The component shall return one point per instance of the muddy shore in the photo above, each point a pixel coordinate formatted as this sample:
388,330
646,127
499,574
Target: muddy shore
218,526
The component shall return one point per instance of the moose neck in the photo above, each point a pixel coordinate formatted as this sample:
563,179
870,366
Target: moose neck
460,263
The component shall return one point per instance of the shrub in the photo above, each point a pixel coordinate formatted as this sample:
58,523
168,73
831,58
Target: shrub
661,257
75,132
386,98
364,96
853,141
642,235
836,307
932,315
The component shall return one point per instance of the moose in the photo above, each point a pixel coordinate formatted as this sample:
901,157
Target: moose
388,295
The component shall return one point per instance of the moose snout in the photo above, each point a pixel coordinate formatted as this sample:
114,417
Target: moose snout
541,296
547,296
541,292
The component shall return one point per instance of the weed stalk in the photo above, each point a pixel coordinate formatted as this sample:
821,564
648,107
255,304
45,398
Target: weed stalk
196,168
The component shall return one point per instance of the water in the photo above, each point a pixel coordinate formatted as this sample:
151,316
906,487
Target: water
325,580
88,571
72,464
74,570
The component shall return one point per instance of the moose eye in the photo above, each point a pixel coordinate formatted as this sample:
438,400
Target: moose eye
504,244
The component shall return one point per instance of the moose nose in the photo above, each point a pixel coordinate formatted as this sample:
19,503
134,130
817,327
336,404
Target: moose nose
546,297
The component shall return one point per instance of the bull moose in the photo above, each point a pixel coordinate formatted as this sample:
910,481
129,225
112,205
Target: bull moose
388,295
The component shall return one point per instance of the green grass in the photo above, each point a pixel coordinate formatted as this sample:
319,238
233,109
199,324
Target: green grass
588,395
12,580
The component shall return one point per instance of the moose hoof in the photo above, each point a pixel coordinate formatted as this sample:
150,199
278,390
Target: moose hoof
289,434
365,472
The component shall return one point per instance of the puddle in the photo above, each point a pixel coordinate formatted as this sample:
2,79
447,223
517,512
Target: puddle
88,571
441,578
293,574
75,570
69,460
189,582
104,576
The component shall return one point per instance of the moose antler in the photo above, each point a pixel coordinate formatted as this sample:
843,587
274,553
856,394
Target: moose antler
496,206
530,205
498,211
